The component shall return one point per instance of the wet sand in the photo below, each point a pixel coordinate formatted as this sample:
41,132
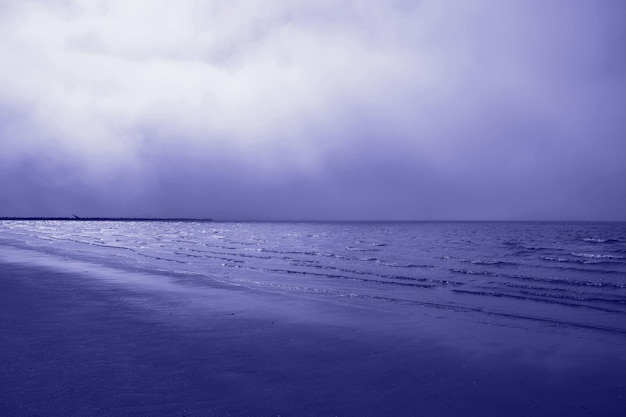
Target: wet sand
72,345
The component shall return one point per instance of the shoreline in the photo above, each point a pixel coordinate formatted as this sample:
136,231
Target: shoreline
78,346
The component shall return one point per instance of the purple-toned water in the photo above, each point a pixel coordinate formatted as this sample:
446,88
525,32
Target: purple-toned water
433,318
570,276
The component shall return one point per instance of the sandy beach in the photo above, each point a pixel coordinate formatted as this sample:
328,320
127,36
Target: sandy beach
75,345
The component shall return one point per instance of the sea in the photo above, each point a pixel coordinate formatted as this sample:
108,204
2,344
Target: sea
560,276
316,319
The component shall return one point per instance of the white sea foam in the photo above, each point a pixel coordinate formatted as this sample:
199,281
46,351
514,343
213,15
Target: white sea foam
596,256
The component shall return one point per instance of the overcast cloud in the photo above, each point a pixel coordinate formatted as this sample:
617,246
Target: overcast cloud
273,110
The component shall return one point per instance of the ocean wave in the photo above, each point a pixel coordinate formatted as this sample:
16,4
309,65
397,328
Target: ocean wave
355,249
553,259
597,240
489,262
552,281
554,293
401,265
473,272
530,297
585,259
507,315
308,253
405,281
596,256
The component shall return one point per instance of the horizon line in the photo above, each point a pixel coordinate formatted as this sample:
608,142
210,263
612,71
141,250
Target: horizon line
206,219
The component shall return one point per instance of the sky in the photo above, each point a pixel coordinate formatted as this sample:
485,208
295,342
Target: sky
314,110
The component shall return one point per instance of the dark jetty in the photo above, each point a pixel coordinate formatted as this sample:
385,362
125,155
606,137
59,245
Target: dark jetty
108,219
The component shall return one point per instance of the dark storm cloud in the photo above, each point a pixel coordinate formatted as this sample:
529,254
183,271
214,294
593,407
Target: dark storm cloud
357,110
